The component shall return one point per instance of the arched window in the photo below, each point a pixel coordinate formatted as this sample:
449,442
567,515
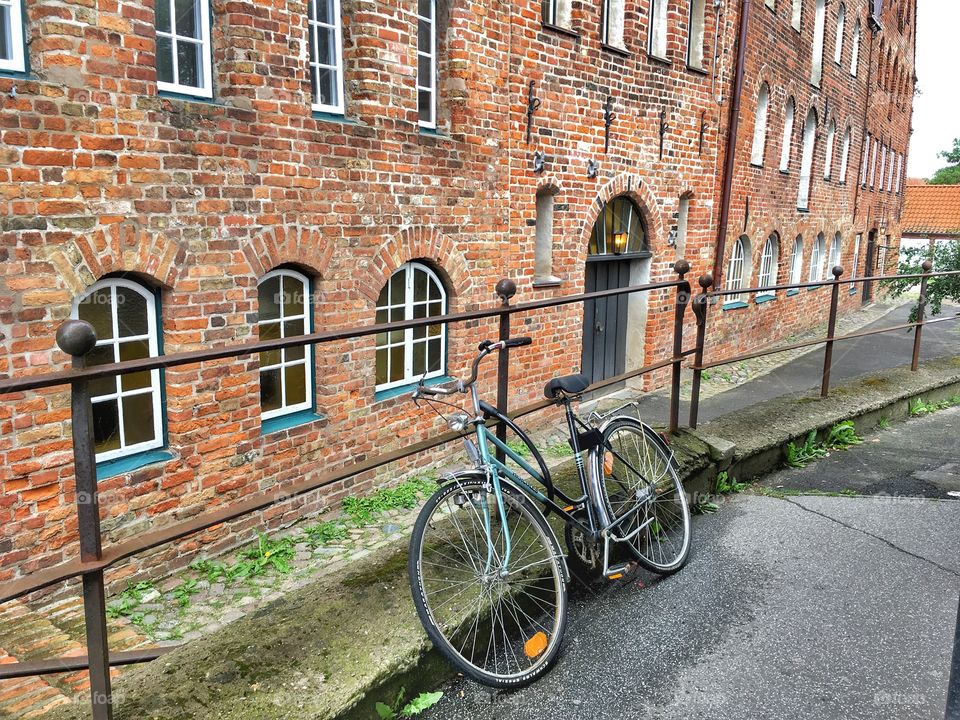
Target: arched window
760,125
816,259
427,63
845,156
324,28
819,28
658,28
796,262
695,42
768,266
286,375
797,12
855,50
785,149
806,159
835,254
404,356
127,411
828,160
738,271
841,24
543,248
622,231
612,30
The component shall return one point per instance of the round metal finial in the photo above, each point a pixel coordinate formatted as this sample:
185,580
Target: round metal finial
76,337
927,266
681,267
837,271
706,280
506,289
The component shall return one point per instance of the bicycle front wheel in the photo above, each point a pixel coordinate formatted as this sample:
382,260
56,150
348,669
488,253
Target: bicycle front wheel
500,627
638,477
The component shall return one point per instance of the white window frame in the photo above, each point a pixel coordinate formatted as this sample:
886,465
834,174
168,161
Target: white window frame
856,256
828,158
153,344
883,167
819,32
543,238
769,259
408,314
760,126
206,91
657,45
283,364
558,13
816,259
605,30
855,50
836,253
845,156
738,269
431,89
806,160
865,161
893,157
873,165
786,150
841,29
899,172
797,14
796,262
697,29
17,62
313,54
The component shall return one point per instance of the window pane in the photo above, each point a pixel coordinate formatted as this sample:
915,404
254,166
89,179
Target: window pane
419,333
425,8
396,363
396,315
189,67
96,310
433,355
381,366
436,308
136,350
397,288
131,313
165,60
381,318
419,311
396,336
294,297
163,15
425,105
324,10
106,426
295,353
292,328
188,17
138,419
270,398
296,379
101,355
268,299
424,63
420,280
434,330
326,46
419,358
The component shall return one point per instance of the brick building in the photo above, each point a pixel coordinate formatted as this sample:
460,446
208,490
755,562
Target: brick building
205,172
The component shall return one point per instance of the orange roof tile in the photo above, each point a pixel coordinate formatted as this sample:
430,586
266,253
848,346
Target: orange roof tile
931,210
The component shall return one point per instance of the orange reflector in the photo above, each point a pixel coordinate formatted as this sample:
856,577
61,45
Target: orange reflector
535,646
608,463
568,508
615,576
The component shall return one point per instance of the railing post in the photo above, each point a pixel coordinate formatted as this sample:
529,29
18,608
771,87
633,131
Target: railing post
681,267
700,305
506,289
921,311
77,338
831,329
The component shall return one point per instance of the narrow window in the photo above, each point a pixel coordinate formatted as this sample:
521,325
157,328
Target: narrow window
890,171
883,166
557,12
771,4
806,160
835,253
845,156
695,42
427,63
873,165
865,160
816,259
324,26
855,50
543,248
841,25
797,11
796,262
405,356
183,47
286,377
856,257
899,172
786,148
682,215
612,31
13,56
819,27
760,126
768,266
882,260
828,160
127,412
738,271
658,28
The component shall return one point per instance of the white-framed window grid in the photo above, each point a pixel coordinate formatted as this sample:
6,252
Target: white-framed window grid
404,356
816,259
427,63
899,173
873,165
841,28
893,157
796,14
768,267
785,148
611,31
819,31
133,399
180,28
760,126
697,25
864,167
844,157
796,262
855,50
658,29
883,167
836,248
806,160
828,159
325,31
13,54
286,375
736,270
856,256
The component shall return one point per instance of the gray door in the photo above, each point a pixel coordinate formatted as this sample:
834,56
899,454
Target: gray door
605,320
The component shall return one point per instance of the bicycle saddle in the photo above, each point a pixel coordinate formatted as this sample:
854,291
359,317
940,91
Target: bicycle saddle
568,384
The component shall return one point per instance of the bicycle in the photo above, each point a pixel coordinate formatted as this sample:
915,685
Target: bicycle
488,578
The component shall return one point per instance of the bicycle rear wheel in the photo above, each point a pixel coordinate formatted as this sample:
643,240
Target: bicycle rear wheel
500,631
634,466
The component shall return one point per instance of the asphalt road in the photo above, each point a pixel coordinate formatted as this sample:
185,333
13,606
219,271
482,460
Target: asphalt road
802,606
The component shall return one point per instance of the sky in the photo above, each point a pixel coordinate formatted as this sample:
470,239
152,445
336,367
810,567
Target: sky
936,111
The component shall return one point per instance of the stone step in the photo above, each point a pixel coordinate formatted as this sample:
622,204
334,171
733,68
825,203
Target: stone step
67,615
27,697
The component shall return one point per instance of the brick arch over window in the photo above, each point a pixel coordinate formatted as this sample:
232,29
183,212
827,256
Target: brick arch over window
288,244
418,243
121,247
633,187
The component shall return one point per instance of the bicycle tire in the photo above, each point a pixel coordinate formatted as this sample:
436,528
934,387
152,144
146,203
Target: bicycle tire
641,464
519,612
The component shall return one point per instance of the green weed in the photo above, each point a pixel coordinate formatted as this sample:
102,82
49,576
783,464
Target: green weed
726,485
560,450
919,407
704,507
416,706
842,436
183,591
325,533
883,423
363,510
130,599
799,457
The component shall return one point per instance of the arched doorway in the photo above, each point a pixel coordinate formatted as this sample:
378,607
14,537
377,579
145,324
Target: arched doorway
618,256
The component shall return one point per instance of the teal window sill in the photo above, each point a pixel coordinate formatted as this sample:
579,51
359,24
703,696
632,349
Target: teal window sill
334,118
284,422
813,289
189,98
793,291
433,132
112,468
406,389
734,305
759,299
853,289
17,74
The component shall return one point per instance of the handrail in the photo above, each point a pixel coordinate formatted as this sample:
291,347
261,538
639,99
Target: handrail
826,283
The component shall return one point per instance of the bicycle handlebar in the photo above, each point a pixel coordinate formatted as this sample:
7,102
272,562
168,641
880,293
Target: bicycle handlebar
485,348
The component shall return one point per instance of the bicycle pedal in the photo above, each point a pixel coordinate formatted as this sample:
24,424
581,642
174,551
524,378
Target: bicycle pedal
618,571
